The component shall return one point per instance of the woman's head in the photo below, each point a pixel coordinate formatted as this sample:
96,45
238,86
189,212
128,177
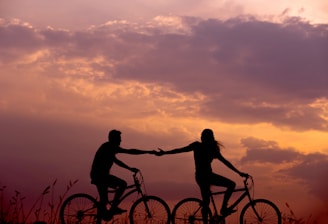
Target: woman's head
207,136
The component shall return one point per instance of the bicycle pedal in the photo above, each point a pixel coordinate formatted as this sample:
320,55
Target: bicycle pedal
217,220
107,217
117,211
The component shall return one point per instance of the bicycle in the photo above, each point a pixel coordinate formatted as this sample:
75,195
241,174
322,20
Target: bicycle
82,208
259,211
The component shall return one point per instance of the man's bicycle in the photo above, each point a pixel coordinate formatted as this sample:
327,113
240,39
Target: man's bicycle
256,211
83,208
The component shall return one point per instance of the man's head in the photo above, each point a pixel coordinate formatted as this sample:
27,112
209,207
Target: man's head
114,136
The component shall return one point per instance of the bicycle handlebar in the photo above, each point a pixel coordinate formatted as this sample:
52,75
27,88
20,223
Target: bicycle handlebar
136,172
246,179
135,178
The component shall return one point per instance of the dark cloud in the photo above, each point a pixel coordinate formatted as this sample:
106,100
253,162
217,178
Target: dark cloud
18,36
311,169
296,114
17,40
267,151
266,72
250,71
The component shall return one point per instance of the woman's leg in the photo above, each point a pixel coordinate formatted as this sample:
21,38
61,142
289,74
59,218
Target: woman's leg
219,180
205,192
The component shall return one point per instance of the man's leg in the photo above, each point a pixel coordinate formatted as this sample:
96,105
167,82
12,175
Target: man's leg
119,185
103,195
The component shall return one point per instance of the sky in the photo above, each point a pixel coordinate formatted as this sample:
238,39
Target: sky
254,72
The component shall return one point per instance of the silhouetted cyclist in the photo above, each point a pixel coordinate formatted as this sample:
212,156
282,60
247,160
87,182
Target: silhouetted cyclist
104,158
204,153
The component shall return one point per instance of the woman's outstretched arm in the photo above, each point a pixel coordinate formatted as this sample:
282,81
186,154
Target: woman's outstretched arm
174,151
228,164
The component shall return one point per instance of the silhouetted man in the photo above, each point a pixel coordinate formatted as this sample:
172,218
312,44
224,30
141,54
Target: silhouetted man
100,172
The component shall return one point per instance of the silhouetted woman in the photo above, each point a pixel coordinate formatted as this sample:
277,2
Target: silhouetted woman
204,153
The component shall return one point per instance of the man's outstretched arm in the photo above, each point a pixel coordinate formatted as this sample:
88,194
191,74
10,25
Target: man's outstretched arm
136,151
173,151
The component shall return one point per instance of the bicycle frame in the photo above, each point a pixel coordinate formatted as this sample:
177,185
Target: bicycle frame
136,187
190,210
82,207
241,197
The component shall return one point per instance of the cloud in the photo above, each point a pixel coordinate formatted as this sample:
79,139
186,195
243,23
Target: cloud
267,151
309,169
246,70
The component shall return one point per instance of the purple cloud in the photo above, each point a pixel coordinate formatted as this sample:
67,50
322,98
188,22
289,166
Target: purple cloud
310,169
267,151
250,71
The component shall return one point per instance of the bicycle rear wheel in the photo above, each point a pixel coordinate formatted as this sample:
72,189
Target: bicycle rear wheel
260,211
188,210
150,209
79,209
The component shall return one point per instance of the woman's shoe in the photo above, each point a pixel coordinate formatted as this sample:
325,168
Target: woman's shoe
227,211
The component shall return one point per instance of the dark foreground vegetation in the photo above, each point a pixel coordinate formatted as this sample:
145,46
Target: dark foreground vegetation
45,209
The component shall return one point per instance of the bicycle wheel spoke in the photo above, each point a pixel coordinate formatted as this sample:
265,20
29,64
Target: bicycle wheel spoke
188,211
266,213
152,210
79,209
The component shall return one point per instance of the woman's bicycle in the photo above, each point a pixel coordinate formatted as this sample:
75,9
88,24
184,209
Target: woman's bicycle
259,211
82,208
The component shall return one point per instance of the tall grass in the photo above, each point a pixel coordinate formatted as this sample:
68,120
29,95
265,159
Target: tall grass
291,218
45,208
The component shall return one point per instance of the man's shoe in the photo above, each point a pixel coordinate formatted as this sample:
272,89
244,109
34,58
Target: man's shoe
116,210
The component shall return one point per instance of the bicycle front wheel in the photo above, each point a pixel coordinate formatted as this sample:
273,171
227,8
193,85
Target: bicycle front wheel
188,210
79,209
150,209
260,211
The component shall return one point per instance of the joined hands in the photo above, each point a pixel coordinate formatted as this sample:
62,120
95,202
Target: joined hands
160,152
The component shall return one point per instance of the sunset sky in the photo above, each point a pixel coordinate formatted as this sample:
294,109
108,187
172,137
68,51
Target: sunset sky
255,72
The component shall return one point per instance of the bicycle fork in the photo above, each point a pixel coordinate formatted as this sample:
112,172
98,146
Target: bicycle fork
253,204
145,199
